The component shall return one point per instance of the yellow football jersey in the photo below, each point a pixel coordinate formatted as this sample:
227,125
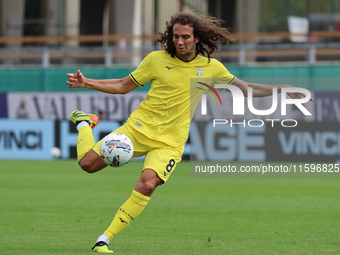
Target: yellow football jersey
165,114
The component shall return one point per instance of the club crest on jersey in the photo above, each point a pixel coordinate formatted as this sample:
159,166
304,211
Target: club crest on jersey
199,71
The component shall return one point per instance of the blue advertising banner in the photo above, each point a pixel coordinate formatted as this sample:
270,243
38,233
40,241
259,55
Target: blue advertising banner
26,139
307,142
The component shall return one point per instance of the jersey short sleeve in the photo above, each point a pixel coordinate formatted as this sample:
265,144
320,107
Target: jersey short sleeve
222,72
143,72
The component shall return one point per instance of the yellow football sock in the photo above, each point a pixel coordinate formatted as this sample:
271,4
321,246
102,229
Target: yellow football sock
85,141
127,213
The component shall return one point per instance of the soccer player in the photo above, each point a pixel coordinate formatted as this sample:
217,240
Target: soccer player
159,127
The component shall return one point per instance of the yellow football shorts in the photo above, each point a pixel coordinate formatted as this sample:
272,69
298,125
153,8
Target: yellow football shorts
159,156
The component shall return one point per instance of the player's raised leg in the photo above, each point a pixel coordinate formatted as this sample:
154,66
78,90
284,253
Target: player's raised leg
88,160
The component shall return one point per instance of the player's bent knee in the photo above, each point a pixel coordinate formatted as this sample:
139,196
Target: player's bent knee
91,166
92,162
146,188
148,182
86,166
149,187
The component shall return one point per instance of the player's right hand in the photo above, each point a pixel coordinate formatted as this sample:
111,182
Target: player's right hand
75,80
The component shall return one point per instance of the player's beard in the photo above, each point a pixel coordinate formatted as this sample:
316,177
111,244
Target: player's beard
188,53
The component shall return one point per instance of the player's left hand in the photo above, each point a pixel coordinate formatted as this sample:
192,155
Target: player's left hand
296,95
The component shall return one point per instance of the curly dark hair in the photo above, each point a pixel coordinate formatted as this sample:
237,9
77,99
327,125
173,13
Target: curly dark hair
206,29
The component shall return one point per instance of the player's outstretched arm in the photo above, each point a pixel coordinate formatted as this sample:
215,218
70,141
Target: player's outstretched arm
262,90
112,86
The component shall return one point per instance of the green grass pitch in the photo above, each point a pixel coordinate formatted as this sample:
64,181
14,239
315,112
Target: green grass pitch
53,207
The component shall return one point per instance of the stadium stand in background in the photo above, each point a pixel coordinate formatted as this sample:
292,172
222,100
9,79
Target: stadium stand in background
64,33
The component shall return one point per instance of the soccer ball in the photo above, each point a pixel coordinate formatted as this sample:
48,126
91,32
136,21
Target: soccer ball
55,152
116,149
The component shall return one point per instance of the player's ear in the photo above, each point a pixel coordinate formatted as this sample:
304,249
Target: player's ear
196,39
